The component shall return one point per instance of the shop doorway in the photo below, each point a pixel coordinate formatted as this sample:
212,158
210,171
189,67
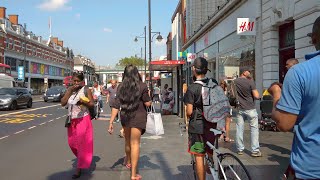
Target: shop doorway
286,47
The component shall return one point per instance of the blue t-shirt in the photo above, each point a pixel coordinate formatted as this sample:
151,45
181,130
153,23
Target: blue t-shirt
301,96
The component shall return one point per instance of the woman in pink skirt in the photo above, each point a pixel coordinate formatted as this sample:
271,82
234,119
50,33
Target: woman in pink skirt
80,134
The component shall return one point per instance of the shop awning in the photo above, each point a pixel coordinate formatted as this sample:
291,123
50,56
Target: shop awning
167,65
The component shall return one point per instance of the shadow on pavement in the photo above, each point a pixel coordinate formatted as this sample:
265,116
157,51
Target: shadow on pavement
86,174
276,148
117,163
144,162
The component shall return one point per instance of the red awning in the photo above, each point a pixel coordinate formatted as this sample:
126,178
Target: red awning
166,65
153,78
4,65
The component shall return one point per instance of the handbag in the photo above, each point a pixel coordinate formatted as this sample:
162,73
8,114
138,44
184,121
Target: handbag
154,124
233,96
67,123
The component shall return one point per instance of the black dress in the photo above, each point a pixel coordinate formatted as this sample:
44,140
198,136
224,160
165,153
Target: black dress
140,118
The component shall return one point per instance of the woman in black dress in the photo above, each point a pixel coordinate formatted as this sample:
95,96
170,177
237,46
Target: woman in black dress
133,98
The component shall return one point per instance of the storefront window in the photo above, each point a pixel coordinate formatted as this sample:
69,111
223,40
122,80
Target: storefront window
232,62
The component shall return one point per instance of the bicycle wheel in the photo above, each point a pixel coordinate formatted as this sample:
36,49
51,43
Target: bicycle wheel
193,162
232,167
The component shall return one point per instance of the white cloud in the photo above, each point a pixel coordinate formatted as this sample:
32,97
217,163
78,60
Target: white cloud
108,30
53,5
78,15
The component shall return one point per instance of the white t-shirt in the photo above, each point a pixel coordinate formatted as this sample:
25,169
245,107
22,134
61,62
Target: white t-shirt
77,111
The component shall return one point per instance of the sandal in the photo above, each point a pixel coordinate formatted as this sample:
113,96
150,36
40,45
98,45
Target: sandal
128,166
77,175
137,177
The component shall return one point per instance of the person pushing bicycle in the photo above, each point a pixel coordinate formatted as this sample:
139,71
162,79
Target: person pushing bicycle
199,127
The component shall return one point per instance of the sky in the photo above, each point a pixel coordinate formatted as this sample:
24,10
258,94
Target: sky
102,30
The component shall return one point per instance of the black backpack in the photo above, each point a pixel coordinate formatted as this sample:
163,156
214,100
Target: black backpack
92,110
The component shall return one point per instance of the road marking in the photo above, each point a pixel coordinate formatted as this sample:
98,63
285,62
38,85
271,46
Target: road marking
58,117
19,112
42,123
50,120
152,137
4,137
19,132
32,127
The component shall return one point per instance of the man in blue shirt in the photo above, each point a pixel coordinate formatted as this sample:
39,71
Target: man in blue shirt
298,108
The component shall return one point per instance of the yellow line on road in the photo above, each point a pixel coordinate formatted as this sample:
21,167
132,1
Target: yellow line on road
18,112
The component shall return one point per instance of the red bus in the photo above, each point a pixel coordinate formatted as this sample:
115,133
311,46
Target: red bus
5,69
67,81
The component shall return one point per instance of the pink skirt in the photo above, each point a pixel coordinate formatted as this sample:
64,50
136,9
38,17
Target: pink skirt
80,139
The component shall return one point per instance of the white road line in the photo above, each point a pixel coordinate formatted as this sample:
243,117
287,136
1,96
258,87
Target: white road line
19,112
4,137
32,127
50,120
42,123
19,132
58,117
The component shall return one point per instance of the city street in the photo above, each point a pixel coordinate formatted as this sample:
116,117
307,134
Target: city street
33,145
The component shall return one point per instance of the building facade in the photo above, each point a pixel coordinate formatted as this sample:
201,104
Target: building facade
45,62
285,25
87,66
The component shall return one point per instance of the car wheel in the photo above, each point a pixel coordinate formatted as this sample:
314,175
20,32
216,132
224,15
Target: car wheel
14,105
29,105
45,100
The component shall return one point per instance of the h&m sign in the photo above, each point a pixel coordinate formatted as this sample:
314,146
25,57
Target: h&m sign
246,26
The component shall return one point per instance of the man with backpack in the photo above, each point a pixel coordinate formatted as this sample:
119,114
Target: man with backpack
246,95
199,126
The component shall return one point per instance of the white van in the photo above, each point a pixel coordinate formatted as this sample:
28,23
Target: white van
6,81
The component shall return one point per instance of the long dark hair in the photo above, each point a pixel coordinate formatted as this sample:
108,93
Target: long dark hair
129,91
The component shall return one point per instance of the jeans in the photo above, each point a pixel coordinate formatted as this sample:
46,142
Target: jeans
252,116
100,101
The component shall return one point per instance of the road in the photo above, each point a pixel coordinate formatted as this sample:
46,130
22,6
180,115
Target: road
33,145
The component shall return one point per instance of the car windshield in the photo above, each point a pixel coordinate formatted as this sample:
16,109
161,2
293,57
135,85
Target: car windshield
7,91
56,89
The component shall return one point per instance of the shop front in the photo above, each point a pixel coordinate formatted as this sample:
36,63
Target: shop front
172,67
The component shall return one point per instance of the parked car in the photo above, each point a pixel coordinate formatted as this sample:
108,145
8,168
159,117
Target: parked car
11,98
55,93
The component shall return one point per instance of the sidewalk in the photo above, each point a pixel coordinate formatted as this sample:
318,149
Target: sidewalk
167,158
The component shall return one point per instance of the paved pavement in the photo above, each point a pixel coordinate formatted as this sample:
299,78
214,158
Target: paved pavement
41,151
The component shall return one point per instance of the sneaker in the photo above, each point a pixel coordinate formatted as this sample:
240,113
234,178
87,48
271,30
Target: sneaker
240,152
256,154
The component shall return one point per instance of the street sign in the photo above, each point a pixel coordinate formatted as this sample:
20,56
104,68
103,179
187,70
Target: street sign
21,73
191,57
246,26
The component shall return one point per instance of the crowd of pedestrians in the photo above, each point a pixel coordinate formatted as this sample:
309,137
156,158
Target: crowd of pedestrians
295,107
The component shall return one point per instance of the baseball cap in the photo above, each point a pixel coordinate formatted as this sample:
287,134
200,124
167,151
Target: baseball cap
200,63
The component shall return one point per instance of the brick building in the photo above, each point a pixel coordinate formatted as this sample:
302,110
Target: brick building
43,60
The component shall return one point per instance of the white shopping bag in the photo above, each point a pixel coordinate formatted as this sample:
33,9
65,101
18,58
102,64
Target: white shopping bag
154,123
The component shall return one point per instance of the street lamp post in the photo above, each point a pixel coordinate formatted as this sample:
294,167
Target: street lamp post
145,50
159,38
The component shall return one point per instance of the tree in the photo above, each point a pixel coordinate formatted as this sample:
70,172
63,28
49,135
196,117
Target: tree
131,60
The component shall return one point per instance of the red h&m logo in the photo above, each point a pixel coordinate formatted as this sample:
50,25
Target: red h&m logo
246,26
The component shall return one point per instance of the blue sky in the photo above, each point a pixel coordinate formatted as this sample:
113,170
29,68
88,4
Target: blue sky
102,30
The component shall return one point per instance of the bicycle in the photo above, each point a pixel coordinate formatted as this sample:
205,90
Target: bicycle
222,165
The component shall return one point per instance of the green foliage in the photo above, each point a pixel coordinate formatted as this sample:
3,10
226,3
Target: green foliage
131,60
